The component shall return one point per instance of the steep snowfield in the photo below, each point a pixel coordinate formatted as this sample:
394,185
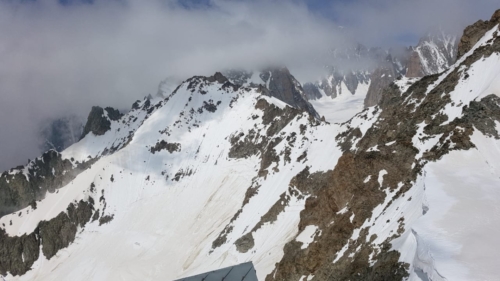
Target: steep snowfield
454,226
203,179
344,106
452,220
163,228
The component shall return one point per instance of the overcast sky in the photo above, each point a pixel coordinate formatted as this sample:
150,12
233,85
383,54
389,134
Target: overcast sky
62,57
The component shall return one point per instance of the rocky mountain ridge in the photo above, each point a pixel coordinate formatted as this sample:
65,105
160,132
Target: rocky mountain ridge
233,168
435,52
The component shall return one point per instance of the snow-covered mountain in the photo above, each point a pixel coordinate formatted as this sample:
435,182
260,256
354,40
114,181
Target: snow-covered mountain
220,172
434,53
376,68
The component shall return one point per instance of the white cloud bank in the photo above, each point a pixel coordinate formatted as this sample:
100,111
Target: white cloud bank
57,60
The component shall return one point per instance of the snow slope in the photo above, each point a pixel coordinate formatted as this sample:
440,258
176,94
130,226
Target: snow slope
344,106
163,228
452,220
206,178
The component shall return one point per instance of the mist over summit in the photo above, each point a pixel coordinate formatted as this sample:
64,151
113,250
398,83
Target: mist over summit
278,140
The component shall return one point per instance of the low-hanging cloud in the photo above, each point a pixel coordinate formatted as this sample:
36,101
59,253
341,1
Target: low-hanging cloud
389,22
57,60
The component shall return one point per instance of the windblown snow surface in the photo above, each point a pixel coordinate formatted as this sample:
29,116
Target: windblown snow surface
343,107
163,228
168,207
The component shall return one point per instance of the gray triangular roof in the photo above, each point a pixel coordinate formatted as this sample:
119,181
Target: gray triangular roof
240,272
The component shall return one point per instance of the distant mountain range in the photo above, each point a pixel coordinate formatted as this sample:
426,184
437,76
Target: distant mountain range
380,176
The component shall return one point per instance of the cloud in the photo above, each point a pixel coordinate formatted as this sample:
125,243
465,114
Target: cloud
389,22
57,60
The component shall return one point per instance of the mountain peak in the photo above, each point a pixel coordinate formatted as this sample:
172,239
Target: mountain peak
99,119
476,31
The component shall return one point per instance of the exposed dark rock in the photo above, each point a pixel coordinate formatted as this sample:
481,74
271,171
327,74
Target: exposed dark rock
474,32
105,219
283,86
217,77
98,123
244,147
254,143
46,173
18,253
380,79
113,114
60,231
238,77
81,213
482,115
414,68
182,173
95,216
57,234
246,242
311,91
209,106
222,238
344,186
302,157
170,147
136,104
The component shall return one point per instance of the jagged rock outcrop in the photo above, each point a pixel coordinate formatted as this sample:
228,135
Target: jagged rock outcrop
25,185
353,67
163,145
331,85
283,86
276,82
380,79
311,91
414,68
474,32
257,178
18,253
434,53
400,116
99,119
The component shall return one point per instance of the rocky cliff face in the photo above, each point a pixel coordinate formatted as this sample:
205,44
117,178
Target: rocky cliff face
25,185
274,82
435,52
352,68
99,120
380,79
217,172
337,83
404,110
414,68
475,32
283,86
